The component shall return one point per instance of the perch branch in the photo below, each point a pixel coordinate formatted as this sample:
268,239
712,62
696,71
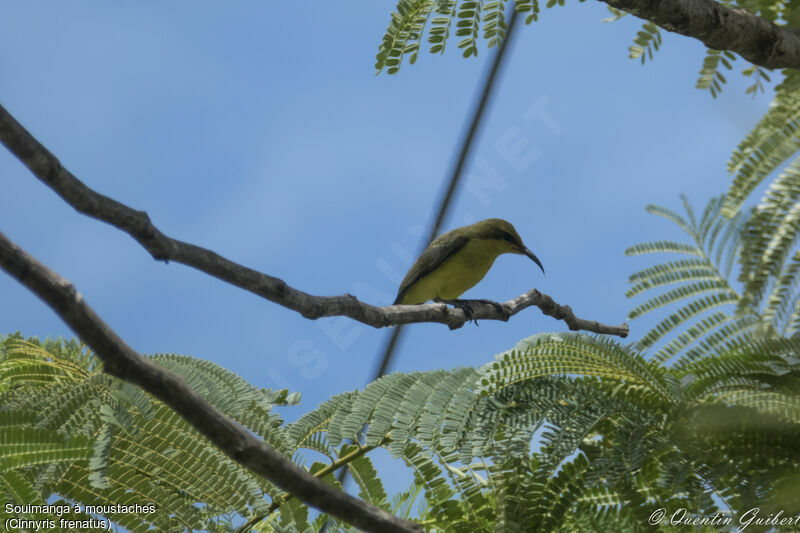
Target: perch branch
49,170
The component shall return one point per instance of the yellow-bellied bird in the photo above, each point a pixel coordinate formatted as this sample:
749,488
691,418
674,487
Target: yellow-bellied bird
458,260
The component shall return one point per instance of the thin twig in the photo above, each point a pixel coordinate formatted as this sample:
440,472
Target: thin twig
333,467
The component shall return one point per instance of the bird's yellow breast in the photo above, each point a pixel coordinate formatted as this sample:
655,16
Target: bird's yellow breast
459,273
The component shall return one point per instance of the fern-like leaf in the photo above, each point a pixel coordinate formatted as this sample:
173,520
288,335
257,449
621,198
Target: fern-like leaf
710,76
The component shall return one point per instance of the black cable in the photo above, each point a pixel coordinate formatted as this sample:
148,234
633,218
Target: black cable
455,178
444,203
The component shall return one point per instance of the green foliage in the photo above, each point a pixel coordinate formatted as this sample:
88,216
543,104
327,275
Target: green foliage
370,485
531,8
68,430
759,76
710,76
768,146
615,431
404,33
412,18
770,258
563,432
472,18
564,354
699,284
712,79
646,42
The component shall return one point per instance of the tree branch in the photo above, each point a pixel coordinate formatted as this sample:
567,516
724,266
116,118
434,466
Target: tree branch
49,170
721,28
122,361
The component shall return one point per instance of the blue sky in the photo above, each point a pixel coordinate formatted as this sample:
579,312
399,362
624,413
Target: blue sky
260,131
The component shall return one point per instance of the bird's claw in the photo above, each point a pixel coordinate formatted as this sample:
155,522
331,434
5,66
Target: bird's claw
498,307
466,306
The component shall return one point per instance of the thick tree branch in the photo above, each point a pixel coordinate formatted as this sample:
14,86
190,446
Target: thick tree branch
721,28
122,361
49,170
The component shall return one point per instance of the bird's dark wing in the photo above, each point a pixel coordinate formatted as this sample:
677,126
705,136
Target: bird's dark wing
434,255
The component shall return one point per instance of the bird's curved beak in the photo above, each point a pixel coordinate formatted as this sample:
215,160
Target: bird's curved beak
533,257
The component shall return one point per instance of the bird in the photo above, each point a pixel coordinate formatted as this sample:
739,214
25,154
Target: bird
457,260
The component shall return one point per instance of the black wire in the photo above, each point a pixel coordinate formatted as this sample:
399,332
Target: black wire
444,203
455,177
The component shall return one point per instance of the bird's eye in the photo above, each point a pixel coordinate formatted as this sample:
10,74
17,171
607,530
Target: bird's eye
507,236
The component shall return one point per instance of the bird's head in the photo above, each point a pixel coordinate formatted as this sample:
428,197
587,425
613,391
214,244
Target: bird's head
503,238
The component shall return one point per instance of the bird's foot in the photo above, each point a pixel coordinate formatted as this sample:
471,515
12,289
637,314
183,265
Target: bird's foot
466,306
